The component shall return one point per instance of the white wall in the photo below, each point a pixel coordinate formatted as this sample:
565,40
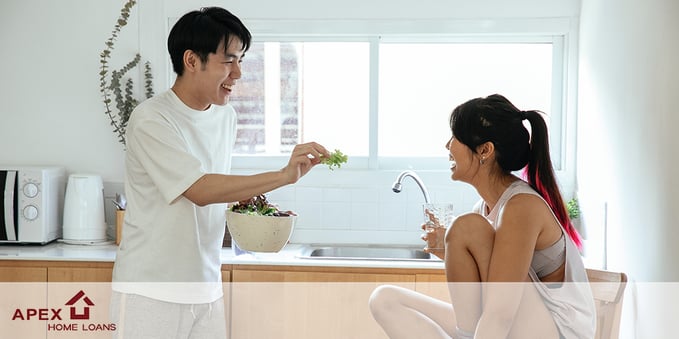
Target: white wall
627,145
50,111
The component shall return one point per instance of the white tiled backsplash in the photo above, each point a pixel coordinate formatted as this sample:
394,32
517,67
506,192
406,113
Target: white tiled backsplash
356,206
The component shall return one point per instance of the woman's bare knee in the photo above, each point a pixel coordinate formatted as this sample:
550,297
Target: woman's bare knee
469,245
470,227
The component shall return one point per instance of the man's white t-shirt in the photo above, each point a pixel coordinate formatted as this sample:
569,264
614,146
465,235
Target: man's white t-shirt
170,248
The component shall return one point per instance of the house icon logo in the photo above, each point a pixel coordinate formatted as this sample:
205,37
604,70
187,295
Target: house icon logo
85,313
79,319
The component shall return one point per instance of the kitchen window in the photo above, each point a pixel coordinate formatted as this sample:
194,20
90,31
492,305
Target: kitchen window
385,100
294,92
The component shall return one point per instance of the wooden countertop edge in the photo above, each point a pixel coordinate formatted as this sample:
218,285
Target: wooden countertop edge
55,263
336,269
231,267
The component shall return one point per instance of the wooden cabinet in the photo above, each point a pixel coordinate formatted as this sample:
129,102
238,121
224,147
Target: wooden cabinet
267,301
308,302
55,271
84,272
23,274
226,279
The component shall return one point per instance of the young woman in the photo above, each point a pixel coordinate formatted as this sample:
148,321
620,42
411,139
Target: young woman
513,265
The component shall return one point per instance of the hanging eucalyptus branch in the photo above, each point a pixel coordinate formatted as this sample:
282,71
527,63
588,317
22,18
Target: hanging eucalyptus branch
118,88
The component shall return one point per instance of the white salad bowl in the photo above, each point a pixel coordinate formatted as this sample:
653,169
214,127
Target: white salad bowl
258,233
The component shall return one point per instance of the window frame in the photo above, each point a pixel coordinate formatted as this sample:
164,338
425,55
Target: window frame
373,161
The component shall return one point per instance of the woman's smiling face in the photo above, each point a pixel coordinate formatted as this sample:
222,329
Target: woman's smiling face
463,163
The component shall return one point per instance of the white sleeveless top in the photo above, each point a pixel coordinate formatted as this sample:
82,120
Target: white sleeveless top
571,303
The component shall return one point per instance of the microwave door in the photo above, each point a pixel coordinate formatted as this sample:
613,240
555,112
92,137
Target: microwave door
8,219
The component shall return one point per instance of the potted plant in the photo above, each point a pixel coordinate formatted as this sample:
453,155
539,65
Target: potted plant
115,87
573,208
112,84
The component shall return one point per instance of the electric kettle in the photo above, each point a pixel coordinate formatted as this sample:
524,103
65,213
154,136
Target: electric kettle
84,209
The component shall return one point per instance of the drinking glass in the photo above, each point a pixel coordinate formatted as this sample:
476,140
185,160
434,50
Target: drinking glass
437,218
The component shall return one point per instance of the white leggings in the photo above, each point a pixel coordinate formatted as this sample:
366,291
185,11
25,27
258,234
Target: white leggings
407,314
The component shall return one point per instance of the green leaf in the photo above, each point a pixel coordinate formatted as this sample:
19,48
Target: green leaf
336,159
573,208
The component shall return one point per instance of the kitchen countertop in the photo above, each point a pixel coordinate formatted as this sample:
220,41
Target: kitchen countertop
58,251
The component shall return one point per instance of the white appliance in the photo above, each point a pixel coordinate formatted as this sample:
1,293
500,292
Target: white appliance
84,209
31,203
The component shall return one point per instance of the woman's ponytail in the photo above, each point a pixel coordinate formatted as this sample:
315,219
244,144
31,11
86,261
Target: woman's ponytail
540,174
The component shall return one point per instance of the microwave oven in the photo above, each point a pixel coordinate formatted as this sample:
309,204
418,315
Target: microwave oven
31,204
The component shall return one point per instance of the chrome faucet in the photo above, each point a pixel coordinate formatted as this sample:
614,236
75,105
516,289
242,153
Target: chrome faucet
396,187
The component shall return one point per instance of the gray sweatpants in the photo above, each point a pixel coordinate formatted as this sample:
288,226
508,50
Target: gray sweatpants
136,316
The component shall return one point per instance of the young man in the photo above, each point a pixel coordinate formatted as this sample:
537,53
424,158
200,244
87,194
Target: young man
167,277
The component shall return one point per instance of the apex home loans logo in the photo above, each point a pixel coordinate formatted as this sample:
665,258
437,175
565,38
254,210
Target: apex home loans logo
74,319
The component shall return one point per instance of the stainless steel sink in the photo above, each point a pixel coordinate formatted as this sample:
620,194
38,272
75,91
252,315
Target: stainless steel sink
365,252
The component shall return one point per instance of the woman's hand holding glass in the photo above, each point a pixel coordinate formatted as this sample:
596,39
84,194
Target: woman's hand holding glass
438,218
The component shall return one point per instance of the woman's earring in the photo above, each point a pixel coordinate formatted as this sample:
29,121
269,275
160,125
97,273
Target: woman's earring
482,160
